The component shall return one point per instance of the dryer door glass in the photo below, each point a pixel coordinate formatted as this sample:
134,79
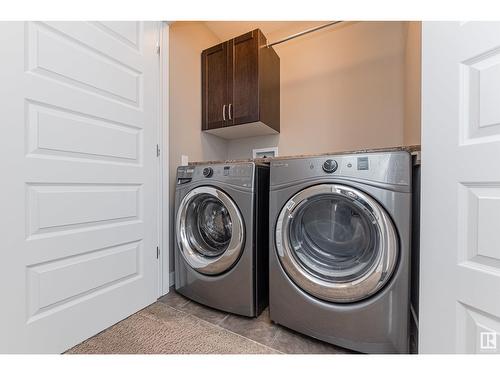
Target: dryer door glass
336,243
210,230
333,238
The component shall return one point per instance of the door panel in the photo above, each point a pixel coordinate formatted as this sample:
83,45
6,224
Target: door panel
214,85
79,111
127,32
460,257
57,132
244,63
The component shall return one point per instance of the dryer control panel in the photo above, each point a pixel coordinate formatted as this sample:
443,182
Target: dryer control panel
390,168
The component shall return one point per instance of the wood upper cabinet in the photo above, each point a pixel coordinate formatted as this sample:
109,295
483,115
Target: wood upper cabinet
240,87
214,83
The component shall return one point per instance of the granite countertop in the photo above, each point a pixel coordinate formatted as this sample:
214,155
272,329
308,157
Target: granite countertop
410,149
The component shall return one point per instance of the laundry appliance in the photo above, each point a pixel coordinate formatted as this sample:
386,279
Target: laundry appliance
340,248
221,236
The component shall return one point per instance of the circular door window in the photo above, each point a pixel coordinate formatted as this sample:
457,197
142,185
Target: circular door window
210,230
336,243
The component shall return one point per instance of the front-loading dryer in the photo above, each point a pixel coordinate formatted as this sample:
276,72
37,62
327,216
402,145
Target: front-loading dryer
339,248
221,236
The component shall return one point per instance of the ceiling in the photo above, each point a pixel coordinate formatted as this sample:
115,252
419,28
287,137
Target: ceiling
225,30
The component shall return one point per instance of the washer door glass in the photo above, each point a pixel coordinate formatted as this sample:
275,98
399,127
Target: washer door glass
336,243
208,225
210,230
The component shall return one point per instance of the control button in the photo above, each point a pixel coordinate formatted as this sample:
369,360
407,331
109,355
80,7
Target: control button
208,171
330,166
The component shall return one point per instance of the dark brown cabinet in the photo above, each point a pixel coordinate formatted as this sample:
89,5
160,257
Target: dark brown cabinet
214,61
240,87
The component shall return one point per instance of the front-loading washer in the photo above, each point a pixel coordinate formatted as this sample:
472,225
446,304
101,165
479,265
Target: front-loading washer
221,231
339,264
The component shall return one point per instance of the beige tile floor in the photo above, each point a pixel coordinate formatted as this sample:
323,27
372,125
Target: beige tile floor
260,329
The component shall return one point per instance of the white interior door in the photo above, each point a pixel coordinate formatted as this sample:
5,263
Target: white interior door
460,222
79,212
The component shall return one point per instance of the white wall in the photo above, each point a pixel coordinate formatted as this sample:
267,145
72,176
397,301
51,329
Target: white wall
341,88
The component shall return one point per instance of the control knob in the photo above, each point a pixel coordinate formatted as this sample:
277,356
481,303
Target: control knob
208,171
330,166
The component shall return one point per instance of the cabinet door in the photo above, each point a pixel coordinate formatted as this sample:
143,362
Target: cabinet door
214,84
243,79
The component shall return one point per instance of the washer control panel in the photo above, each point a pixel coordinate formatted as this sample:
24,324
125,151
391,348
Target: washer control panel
240,174
184,175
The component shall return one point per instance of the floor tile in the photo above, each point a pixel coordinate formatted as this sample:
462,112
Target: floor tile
174,299
204,312
163,312
265,317
258,329
288,341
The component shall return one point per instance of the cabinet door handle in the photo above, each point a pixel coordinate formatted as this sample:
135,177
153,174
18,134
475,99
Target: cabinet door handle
224,112
229,111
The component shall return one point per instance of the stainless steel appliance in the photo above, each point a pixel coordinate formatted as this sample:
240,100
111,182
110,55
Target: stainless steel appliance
340,248
221,236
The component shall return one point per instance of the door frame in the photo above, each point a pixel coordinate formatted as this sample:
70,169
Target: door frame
163,143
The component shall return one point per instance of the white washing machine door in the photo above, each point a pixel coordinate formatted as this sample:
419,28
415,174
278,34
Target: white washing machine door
210,230
336,243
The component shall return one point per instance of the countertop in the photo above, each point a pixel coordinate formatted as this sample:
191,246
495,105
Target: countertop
410,149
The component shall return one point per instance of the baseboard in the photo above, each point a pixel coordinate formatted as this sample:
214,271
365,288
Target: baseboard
171,280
